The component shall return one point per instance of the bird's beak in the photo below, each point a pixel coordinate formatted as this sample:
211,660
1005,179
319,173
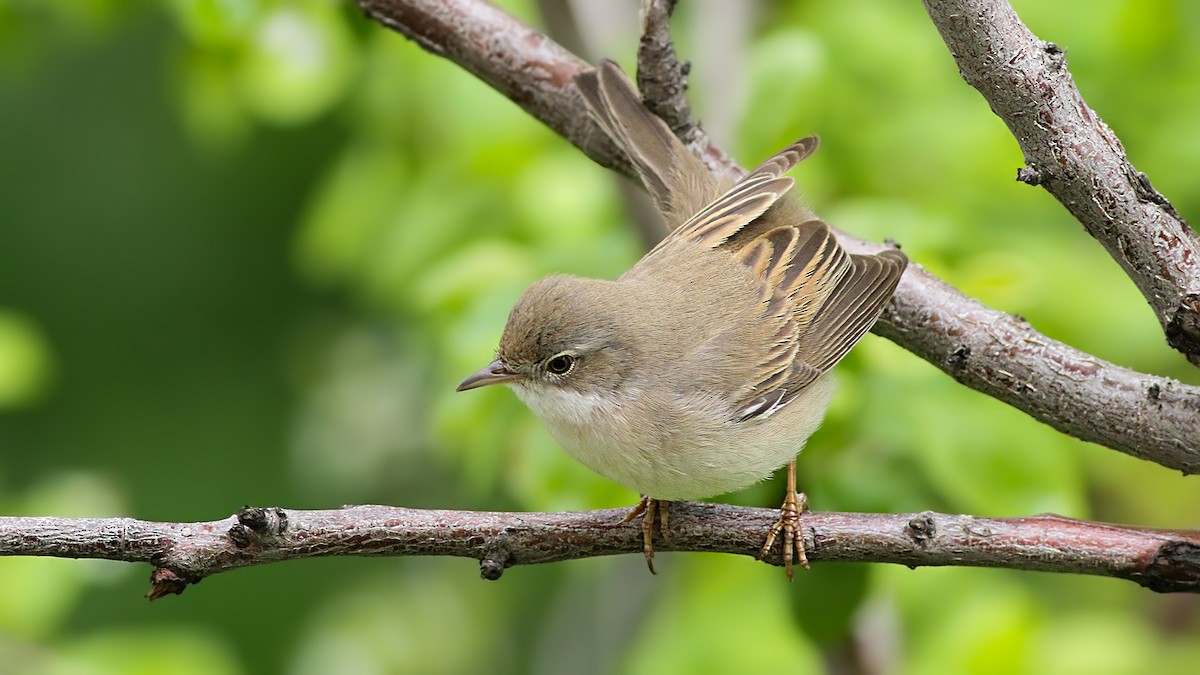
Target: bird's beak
493,373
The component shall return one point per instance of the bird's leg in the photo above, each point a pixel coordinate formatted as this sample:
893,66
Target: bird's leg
794,505
646,508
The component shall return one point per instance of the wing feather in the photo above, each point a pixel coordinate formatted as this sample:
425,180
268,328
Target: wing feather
676,179
832,299
817,300
850,311
740,206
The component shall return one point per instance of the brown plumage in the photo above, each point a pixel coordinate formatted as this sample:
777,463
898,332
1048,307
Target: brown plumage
702,369
821,299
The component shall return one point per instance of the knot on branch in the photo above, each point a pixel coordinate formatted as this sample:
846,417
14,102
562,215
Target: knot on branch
1183,330
258,526
1146,192
1174,568
922,529
958,358
1058,57
497,556
1030,175
662,77
165,581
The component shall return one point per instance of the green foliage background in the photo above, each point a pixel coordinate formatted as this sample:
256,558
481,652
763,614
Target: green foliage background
247,248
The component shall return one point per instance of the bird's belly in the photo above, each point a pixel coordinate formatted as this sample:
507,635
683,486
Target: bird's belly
679,456
678,468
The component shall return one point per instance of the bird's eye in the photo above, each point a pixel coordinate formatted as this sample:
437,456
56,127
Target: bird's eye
560,365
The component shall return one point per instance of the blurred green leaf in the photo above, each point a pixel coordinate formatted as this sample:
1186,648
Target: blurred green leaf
215,23
153,651
299,60
37,594
980,622
826,599
208,100
26,362
428,622
254,246
1109,643
722,615
348,211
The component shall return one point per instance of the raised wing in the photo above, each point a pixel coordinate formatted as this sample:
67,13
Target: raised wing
676,179
745,201
852,308
742,205
820,300
817,301
798,268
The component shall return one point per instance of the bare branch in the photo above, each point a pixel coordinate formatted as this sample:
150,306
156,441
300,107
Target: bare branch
1072,153
1001,355
185,553
1153,418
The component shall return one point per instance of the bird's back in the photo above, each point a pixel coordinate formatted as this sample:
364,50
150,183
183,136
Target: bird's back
744,308
806,300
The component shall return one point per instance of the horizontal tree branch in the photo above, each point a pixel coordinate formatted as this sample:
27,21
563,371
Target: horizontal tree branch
1154,418
185,553
1072,153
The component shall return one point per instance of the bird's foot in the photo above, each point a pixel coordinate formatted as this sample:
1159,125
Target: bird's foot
794,506
647,508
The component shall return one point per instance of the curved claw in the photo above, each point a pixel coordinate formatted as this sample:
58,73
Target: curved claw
647,508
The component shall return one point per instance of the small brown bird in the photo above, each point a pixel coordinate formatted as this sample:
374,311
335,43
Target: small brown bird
703,369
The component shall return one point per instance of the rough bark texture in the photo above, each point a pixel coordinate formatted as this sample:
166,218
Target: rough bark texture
185,553
662,78
1072,153
1153,418
1001,355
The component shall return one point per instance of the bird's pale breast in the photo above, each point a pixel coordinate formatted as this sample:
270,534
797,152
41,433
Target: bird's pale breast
685,450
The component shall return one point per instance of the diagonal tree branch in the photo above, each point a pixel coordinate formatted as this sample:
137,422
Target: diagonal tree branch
1001,355
1154,418
983,348
1072,153
186,553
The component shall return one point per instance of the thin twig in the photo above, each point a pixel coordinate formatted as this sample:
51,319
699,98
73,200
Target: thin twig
662,78
1154,418
1072,153
185,553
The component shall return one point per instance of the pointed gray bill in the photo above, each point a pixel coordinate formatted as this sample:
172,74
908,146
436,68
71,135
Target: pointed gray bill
493,373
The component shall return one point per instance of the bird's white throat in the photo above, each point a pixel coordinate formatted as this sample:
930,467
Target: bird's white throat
567,406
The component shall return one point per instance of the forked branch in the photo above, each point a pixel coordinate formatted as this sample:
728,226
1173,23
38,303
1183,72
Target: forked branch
1154,418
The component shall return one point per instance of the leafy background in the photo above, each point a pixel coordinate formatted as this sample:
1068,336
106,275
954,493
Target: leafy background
248,247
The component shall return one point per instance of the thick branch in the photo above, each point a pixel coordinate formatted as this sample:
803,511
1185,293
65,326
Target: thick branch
1152,418
1077,158
1001,355
185,553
